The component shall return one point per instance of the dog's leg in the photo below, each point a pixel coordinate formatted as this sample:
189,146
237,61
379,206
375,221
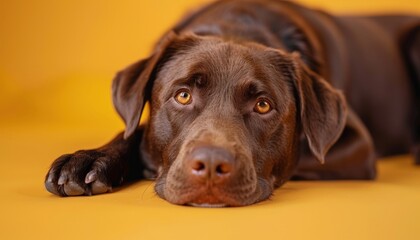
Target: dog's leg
96,171
352,157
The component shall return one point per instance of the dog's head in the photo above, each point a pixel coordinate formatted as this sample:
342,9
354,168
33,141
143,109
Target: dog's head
226,117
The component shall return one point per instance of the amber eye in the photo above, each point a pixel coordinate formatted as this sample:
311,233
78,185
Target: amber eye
183,97
262,107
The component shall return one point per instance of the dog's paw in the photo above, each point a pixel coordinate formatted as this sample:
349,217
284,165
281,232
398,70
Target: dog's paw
84,172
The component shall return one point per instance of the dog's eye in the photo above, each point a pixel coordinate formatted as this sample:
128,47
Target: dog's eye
262,107
183,97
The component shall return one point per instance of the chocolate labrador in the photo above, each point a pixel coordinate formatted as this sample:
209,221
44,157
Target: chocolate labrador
245,95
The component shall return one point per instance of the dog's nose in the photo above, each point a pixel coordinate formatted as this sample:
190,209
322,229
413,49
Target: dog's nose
210,163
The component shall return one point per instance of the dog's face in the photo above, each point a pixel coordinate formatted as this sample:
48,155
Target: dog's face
226,118
218,121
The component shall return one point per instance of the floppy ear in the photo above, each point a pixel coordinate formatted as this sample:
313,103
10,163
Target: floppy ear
323,109
131,87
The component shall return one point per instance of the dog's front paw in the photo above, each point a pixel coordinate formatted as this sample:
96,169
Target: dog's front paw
84,172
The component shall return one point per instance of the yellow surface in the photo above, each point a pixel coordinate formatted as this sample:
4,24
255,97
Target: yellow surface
57,59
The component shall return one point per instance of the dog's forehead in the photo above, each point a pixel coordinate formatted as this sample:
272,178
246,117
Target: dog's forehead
225,64
220,60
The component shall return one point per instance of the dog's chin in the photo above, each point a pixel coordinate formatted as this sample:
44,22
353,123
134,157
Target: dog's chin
215,197
208,205
206,198
208,201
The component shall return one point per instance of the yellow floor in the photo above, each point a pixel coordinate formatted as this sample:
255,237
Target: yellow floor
57,59
388,208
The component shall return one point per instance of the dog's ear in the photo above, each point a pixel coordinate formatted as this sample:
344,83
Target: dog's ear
323,109
131,87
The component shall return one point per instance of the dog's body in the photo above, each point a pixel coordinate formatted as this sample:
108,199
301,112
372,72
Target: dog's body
241,100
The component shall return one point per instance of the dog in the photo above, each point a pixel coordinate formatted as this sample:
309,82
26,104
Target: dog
246,95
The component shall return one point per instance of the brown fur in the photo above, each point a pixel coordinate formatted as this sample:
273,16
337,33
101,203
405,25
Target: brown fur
334,84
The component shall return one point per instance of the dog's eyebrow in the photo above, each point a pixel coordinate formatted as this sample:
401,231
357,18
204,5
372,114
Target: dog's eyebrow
255,88
194,79
264,81
194,74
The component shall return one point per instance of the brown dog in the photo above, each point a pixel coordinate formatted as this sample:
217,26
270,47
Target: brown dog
245,95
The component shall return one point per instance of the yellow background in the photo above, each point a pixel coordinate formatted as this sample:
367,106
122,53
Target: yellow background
57,59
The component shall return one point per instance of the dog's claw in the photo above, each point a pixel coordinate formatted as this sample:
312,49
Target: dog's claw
62,180
90,177
50,177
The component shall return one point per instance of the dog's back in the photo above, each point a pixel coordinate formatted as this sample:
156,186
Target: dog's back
379,86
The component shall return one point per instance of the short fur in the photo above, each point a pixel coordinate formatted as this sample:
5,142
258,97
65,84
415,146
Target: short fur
343,91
